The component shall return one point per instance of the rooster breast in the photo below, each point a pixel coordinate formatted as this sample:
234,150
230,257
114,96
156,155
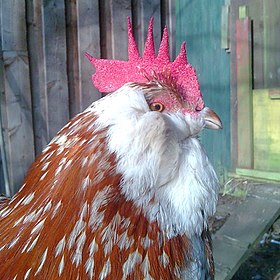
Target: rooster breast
164,170
120,193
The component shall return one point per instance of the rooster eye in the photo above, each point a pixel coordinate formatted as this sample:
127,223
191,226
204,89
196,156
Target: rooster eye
156,107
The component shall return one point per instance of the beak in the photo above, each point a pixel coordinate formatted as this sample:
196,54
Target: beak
212,120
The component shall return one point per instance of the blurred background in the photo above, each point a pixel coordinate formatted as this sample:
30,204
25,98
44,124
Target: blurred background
234,45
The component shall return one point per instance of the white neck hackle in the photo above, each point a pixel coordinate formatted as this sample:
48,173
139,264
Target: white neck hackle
164,168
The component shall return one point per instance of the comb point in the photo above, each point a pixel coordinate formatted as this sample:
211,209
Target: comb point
133,53
182,56
149,51
163,53
90,58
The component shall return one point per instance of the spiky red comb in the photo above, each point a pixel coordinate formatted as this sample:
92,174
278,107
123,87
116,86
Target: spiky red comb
110,75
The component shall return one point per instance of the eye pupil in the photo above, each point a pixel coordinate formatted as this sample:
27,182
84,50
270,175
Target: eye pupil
157,107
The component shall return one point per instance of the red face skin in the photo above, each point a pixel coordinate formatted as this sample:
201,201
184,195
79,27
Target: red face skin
171,103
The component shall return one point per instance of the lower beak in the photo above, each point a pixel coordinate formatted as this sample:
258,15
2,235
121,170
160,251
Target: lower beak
212,120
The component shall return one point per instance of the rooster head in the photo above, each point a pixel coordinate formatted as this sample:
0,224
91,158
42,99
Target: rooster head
168,87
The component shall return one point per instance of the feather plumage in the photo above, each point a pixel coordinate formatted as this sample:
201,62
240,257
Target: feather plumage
120,193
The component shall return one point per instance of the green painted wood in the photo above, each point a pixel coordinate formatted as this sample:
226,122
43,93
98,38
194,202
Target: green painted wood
243,12
255,9
244,93
199,24
274,93
271,16
225,27
266,131
253,173
264,16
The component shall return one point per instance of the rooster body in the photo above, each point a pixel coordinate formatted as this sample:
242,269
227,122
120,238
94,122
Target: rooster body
122,192
125,189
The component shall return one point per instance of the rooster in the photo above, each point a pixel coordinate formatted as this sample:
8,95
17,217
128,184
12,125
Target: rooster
125,189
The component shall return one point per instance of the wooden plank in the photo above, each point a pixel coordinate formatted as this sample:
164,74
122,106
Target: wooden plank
244,93
259,174
243,12
234,10
38,74
225,27
105,29
75,96
142,13
266,131
89,41
256,13
168,18
233,86
13,26
113,32
17,123
82,19
2,151
55,62
1,30
4,176
120,10
47,48
274,93
16,113
271,10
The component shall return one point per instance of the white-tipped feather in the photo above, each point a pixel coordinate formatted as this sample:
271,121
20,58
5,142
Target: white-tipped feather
165,169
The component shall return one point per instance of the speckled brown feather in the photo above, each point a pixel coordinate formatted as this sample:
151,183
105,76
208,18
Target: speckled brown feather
70,220
206,237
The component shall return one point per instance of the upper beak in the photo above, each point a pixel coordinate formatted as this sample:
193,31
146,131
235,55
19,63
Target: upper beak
212,120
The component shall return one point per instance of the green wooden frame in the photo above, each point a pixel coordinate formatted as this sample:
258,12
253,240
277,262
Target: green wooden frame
244,93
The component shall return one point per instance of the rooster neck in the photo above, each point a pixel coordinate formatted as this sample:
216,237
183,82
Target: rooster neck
165,174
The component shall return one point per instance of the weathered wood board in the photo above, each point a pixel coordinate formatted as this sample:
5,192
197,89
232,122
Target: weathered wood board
55,61
88,38
39,91
271,15
144,10
244,93
16,109
266,131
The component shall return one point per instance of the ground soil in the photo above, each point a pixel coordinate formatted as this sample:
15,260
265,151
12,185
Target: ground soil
264,261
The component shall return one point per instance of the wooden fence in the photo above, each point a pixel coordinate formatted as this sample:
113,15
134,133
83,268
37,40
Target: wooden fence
44,77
